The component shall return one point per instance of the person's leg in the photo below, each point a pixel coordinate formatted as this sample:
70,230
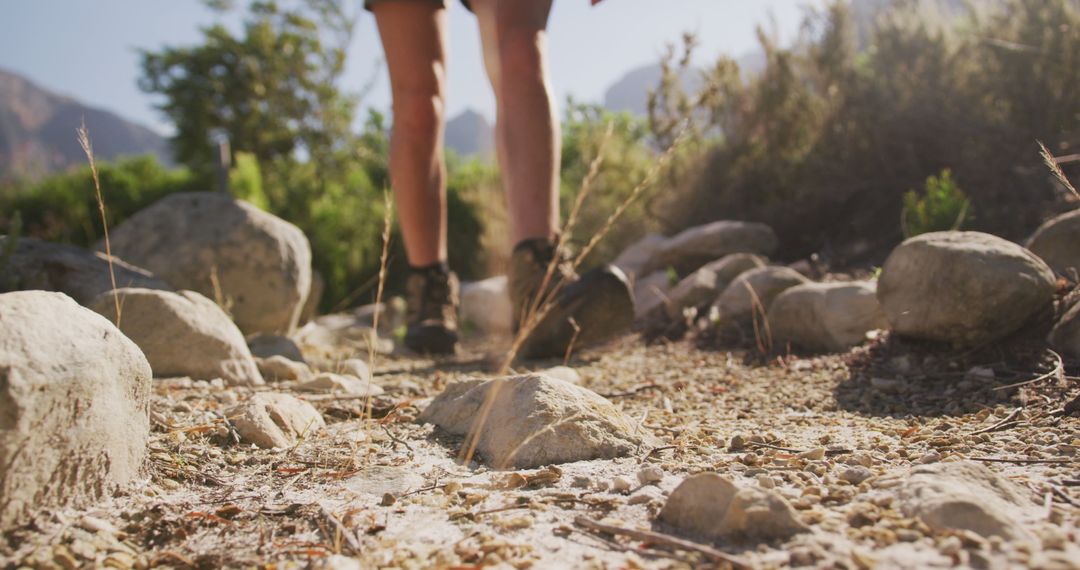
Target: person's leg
527,126
414,40
413,34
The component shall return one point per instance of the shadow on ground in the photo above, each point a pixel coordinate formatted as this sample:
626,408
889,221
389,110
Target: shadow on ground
897,377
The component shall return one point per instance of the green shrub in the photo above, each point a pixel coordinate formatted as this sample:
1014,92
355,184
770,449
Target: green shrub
823,142
942,206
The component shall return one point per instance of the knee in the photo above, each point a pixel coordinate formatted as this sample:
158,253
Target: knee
418,112
522,59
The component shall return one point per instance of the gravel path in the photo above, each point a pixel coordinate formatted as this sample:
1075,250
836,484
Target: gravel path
832,434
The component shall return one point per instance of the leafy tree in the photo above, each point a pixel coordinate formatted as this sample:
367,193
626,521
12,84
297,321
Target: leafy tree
272,90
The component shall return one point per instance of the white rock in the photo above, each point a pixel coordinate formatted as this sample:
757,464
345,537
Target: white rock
279,368
963,288
76,272
712,507
621,484
966,495
271,420
1057,242
564,373
535,420
328,382
754,290
190,240
826,316
354,367
339,562
707,283
183,334
74,398
486,305
649,475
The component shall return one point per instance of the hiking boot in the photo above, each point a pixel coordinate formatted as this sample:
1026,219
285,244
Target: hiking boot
431,299
586,310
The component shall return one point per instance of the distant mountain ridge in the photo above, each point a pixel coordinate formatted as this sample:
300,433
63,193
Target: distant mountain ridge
470,134
37,131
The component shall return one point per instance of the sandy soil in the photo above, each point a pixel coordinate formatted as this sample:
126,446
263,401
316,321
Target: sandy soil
389,491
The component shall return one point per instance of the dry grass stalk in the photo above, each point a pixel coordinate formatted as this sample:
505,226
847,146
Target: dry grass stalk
1055,169
373,338
544,302
84,141
762,331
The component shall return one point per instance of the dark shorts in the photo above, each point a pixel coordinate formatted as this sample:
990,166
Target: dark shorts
442,3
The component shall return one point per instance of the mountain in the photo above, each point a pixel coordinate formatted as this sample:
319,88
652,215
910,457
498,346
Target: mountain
37,131
631,91
470,134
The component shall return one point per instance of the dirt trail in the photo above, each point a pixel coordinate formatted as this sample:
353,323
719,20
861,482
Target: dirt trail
390,493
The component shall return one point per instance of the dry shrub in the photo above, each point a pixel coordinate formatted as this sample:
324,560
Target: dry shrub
825,140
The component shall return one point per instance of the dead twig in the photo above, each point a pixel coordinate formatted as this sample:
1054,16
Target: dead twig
633,392
1008,421
664,539
395,438
1020,461
340,531
1058,372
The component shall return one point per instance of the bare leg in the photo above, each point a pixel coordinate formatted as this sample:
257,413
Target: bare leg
414,40
527,128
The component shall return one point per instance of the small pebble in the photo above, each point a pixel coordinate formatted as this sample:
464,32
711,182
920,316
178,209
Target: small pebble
650,474
765,482
932,457
621,484
856,475
816,454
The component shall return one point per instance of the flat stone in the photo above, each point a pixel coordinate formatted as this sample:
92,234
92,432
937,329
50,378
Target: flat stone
712,507
272,420
534,421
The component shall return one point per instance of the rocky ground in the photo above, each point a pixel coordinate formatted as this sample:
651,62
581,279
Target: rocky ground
857,443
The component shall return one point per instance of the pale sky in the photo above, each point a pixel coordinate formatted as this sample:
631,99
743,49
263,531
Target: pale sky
88,48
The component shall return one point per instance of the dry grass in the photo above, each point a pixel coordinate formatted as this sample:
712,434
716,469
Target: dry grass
84,141
1055,169
548,291
388,211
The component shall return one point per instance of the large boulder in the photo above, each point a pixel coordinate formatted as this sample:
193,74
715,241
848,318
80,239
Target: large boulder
74,405
703,286
486,305
76,272
183,334
754,290
826,316
1057,242
694,247
965,495
535,420
709,506
261,264
964,288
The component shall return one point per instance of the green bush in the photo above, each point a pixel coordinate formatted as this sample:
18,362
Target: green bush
627,158
63,208
824,142
942,206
